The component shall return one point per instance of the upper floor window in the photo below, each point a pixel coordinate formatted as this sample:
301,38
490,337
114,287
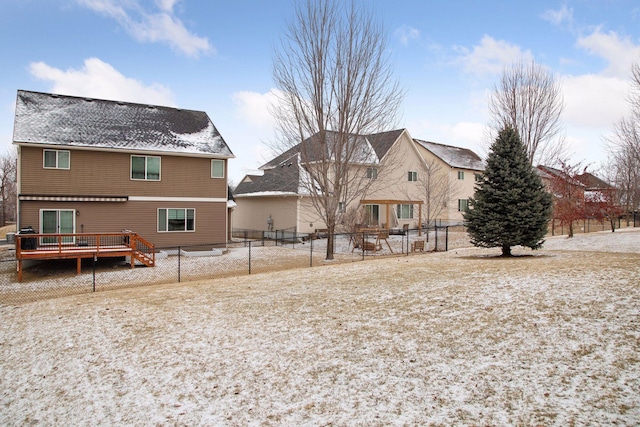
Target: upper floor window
217,168
176,220
57,159
478,177
463,205
372,173
405,211
412,176
145,168
460,174
342,207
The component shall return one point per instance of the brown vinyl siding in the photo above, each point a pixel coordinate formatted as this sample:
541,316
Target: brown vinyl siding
103,173
140,217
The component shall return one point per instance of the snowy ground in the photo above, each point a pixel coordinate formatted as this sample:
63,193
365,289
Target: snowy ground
550,337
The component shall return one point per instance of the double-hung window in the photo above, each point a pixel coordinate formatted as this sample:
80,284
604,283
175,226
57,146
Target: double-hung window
176,219
56,159
463,205
217,168
372,173
405,211
145,168
460,174
412,176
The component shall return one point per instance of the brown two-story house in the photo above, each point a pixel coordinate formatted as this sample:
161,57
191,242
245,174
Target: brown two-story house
95,166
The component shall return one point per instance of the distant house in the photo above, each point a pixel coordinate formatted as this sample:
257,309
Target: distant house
92,166
595,189
462,167
278,198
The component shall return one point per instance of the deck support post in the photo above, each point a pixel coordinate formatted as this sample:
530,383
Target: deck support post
78,266
19,270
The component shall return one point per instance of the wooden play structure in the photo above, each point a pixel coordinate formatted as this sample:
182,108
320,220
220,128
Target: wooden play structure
377,236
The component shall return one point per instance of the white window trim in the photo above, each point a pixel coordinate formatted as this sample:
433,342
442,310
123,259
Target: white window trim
167,221
223,171
461,175
57,159
145,168
411,175
460,209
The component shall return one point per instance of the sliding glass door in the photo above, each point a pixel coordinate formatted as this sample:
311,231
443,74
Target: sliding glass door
57,221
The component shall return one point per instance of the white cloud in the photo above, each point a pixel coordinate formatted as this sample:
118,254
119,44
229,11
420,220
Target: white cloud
593,100
148,26
166,5
619,52
467,132
406,34
254,107
558,17
491,56
97,79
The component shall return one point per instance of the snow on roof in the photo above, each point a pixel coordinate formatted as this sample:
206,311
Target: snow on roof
50,119
457,157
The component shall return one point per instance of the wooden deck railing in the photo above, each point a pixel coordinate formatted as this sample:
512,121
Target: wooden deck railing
83,245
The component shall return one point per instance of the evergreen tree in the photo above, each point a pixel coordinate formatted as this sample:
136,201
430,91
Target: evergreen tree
511,206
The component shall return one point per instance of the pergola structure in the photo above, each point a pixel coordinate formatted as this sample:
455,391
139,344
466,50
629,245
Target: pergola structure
388,203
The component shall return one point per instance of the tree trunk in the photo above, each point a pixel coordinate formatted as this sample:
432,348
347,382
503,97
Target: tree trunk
506,250
570,230
330,241
613,225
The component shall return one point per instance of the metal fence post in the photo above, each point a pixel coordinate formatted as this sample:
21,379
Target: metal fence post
249,257
446,239
179,253
311,254
95,258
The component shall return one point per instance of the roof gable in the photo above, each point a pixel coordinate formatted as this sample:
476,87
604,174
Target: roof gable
50,119
382,142
365,152
456,157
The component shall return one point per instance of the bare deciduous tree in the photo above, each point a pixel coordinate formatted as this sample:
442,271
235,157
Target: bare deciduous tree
528,98
436,190
335,85
8,163
624,149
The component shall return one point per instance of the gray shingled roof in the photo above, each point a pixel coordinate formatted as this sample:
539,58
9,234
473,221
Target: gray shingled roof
43,118
461,158
380,143
283,178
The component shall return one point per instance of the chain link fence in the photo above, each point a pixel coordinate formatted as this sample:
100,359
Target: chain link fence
256,254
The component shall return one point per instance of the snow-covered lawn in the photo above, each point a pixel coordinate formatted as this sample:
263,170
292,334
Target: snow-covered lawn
459,338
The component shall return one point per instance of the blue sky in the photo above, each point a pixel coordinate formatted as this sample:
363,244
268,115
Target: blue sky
215,56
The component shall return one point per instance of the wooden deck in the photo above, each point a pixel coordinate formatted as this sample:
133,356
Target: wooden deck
83,245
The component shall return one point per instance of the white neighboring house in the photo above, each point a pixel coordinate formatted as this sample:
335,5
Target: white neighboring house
277,198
